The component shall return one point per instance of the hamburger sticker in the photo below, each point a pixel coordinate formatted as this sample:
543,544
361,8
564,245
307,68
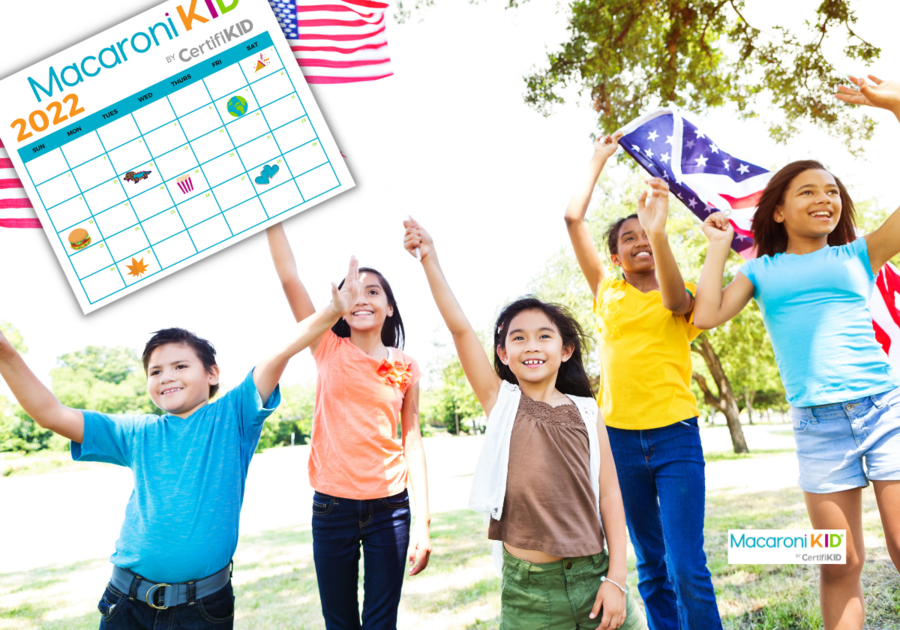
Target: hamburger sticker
79,239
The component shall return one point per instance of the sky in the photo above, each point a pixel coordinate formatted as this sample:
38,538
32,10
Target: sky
447,139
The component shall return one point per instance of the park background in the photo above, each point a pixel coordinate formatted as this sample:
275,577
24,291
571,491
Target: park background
451,140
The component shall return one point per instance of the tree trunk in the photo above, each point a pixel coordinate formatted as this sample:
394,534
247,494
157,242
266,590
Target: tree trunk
748,400
725,401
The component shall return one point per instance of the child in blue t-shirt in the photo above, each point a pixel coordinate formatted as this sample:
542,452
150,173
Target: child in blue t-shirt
172,561
812,282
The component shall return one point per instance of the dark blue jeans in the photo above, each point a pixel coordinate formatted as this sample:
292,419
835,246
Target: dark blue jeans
381,526
661,474
118,612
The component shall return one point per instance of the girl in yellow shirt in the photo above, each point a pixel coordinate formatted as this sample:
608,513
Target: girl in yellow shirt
645,398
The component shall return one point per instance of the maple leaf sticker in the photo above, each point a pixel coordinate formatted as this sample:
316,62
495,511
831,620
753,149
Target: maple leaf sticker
137,268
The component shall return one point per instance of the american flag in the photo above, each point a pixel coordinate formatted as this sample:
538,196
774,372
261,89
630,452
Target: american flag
16,210
336,41
707,179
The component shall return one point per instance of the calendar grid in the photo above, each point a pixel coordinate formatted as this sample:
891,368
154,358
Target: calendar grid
152,135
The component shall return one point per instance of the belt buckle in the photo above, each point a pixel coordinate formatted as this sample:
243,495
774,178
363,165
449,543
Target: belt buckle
150,590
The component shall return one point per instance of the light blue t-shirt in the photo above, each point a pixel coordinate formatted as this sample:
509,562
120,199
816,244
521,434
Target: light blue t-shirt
181,522
816,309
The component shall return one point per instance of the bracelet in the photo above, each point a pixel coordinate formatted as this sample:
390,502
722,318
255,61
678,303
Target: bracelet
606,579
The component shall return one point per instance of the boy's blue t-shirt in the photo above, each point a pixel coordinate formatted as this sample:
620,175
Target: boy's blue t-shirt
816,310
181,522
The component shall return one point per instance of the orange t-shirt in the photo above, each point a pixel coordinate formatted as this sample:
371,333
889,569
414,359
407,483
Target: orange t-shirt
355,453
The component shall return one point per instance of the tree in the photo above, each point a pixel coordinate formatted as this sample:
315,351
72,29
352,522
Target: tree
293,416
452,401
630,55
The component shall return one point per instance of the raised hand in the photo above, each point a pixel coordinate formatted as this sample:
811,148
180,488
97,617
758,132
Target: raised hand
718,228
605,146
416,236
653,209
347,296
884,94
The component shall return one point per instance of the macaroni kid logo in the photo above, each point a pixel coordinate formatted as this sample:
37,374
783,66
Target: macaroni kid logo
787,546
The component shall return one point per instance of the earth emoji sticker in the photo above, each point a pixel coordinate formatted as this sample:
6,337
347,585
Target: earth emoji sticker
237,106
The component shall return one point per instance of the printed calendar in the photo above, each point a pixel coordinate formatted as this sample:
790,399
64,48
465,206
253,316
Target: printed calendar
166,139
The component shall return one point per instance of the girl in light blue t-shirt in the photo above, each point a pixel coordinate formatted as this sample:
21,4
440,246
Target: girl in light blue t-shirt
812,282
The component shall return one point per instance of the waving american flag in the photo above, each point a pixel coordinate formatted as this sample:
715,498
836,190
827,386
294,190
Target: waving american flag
16,210
336,41
707,179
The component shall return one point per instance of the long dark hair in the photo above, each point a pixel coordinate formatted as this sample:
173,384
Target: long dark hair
571,378
393,334
770,236
612,233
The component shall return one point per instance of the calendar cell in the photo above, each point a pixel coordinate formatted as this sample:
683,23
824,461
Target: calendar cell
94,173
69,213
246,215
140,179
212,145
248,128
47,166
261,65
141,265
272,88
127,242
292,135
258,152
210,233
174,250
317,182
129,155
165,139
281,199
154,116
116,219
91,260
118,132
198,209
234,192
83,149
152,202
225,81
283,111
187,185
223,168
306,158
236,105
80,236
102,284
176,162
188,99
200,122
163,225
58,190
106,195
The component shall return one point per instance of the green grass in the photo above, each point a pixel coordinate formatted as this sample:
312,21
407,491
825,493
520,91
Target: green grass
275,580
38,463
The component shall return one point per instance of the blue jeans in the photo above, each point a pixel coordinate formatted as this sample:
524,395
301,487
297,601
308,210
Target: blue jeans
661,474
339,527
119,612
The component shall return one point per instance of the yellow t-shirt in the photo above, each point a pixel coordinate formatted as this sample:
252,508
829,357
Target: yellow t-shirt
645,358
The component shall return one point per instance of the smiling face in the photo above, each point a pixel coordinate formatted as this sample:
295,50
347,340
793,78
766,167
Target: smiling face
811,207
177,380
372,308
533,348
634,253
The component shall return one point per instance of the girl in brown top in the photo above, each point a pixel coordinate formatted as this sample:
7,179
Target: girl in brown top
556,574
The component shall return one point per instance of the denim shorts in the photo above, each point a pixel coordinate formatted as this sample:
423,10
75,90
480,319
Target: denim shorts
844,445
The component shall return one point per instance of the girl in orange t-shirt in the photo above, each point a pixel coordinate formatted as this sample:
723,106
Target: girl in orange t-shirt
366,384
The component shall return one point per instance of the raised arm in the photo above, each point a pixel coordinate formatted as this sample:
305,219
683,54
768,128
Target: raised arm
268,371
34,397
475,363
286,268
715,305
883,243
653,211
588,259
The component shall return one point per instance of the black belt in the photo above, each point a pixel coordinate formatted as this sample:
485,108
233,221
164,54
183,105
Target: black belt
161,595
